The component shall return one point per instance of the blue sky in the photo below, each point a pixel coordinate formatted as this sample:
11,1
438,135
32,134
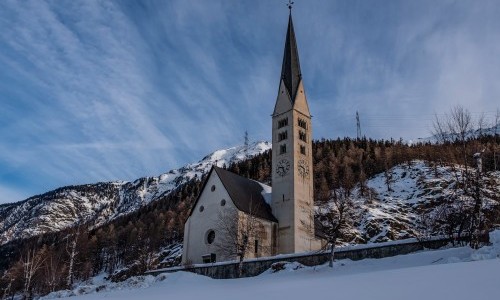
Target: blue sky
115,90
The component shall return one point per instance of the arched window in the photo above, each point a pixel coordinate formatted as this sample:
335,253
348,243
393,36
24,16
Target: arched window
282,149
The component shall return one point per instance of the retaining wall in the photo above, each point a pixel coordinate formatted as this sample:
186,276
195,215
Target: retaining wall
255,267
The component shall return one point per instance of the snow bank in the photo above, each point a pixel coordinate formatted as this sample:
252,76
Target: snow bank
455,273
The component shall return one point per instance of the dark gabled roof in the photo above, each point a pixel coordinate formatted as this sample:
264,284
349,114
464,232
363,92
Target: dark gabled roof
290,70
246,194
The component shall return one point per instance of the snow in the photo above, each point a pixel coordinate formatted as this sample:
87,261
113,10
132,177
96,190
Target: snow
455,273
267,192
416,188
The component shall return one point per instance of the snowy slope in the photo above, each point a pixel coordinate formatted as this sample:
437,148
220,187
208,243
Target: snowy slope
457,273
102,202
416,189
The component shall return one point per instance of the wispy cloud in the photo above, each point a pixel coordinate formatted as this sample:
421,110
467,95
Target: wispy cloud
400,63
94,90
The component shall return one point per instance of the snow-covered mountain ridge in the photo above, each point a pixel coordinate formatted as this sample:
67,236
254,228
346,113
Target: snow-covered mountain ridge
102,202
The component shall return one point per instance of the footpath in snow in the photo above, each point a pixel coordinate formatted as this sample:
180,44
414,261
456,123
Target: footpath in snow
454,273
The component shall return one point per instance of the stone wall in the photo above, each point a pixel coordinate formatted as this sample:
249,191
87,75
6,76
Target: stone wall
257,266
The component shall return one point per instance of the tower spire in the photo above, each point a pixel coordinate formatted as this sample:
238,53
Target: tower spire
290,70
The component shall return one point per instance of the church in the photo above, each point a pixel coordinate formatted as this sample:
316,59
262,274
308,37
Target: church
235,217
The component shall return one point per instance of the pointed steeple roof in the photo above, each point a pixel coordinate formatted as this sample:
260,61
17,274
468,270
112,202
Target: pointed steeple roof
290,71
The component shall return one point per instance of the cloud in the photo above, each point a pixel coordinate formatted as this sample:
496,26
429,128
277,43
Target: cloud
92,88
401,64
96,91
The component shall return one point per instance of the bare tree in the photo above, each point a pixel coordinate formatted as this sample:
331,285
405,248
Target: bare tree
31,262
72,251
334,218
53,276
462,211
426,223
477,185
459,125
453,218
388,179
497,122
146,257
481,124
237,232
456,125
11,281
439,129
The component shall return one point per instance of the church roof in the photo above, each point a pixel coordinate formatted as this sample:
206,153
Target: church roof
246,194
290,70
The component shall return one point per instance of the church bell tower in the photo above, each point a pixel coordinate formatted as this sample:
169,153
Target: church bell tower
292,177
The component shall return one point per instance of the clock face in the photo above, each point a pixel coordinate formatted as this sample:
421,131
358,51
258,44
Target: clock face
303,168
283,167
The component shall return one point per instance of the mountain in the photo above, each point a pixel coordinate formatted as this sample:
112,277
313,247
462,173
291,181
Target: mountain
417,190
102,202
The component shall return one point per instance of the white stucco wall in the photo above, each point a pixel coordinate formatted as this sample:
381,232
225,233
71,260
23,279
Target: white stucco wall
199,223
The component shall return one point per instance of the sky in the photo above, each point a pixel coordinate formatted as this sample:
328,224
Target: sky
116,90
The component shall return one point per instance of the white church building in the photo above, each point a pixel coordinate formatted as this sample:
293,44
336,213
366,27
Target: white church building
233,213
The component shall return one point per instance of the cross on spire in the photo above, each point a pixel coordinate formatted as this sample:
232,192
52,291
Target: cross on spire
290,5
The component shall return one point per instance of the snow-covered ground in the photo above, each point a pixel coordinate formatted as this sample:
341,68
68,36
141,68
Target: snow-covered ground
455,273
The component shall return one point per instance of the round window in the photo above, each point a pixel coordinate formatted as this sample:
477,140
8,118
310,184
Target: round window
202,208
213,188
210,236
223,202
